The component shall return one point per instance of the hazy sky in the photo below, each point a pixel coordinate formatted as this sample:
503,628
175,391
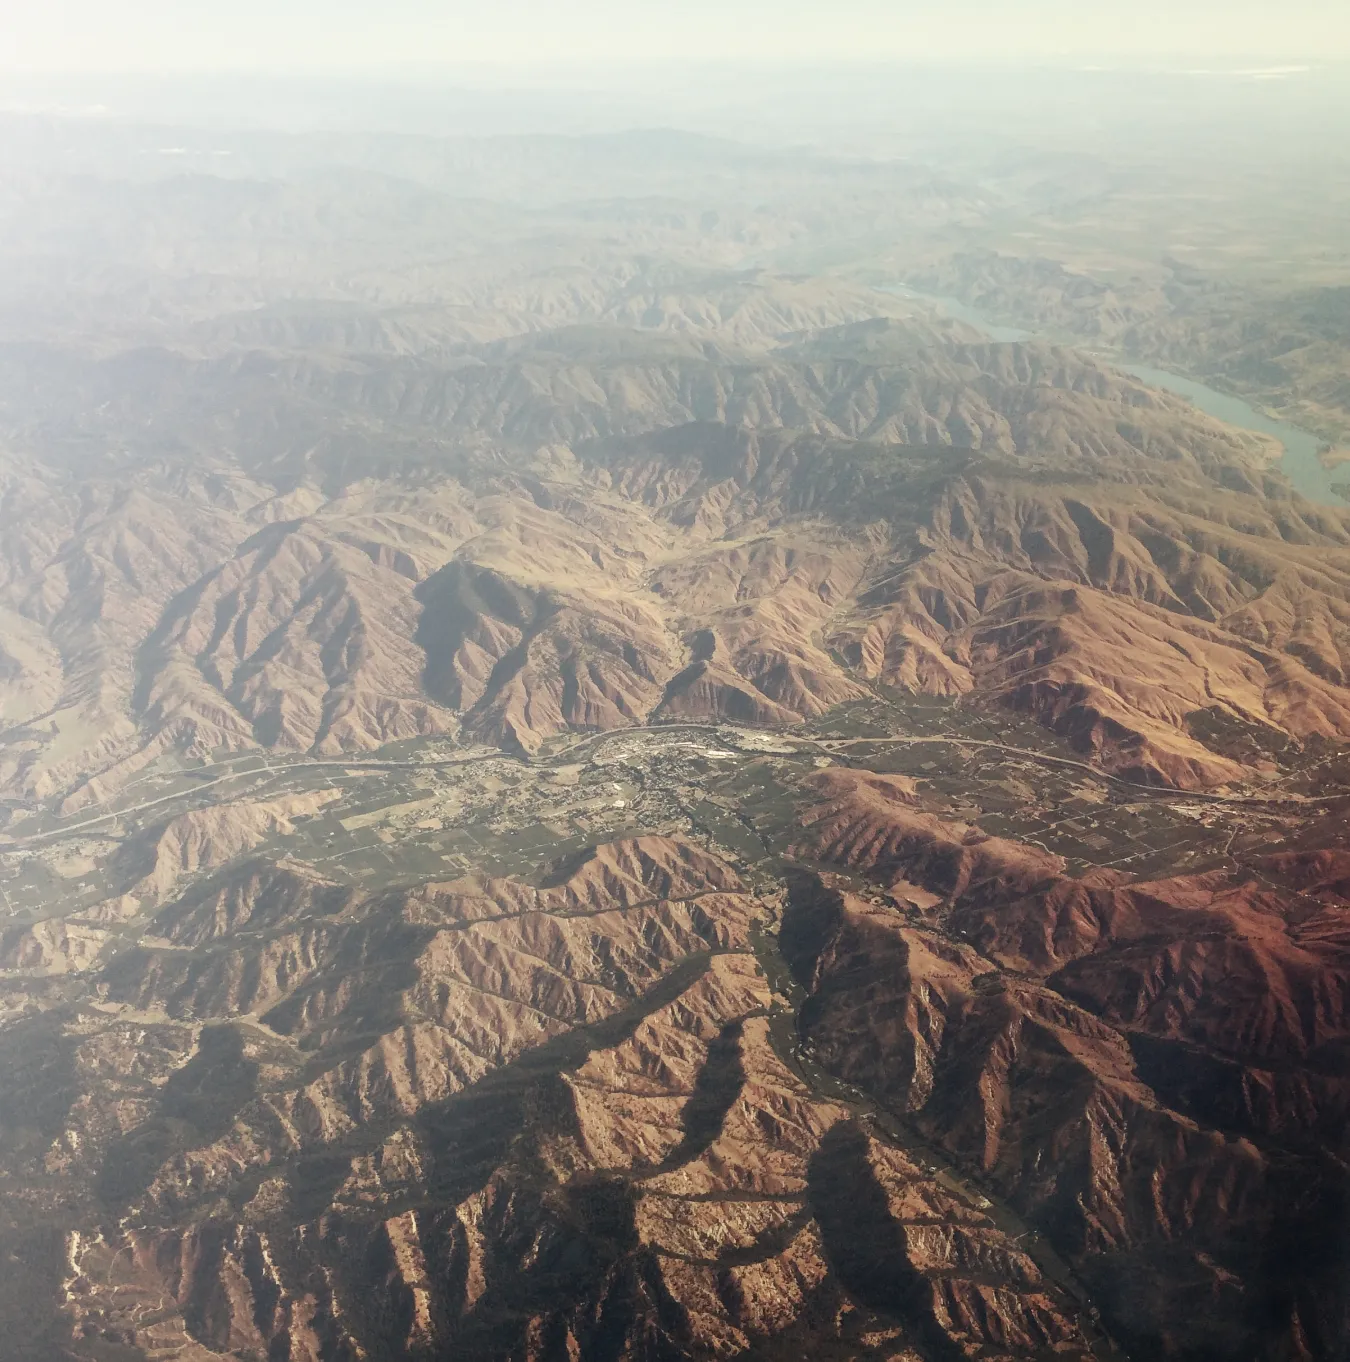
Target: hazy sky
140,35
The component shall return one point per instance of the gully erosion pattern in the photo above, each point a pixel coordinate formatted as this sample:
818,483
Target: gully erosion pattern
502,876
672,1131
579,783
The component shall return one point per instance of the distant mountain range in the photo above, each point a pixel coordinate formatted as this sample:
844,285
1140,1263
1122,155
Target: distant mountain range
578,781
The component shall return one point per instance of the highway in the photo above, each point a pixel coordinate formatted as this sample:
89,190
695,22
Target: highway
727,733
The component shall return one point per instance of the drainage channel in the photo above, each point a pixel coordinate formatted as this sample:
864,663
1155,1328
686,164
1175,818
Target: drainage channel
894,1129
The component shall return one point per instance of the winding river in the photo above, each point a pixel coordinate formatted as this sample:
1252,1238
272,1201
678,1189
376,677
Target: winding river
1300,464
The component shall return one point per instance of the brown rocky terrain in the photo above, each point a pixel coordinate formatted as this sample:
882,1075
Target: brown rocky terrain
667,1186
696,574
1287,348
561,1116
656,1180
1200,1024
576,786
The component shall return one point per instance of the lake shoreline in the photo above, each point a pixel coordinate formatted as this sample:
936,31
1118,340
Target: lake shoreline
1303,464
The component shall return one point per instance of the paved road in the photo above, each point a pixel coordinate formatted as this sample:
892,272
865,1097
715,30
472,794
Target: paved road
337,764
831,746
281,771
1095,772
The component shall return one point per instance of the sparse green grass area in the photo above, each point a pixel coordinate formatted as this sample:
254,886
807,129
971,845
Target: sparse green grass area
509,816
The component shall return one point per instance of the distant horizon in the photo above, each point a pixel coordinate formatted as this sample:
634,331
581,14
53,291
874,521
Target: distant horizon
292,36
876,108
633,72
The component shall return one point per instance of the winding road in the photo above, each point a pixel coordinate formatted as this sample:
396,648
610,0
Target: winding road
833,747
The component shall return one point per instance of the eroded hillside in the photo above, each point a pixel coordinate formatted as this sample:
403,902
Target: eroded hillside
569,793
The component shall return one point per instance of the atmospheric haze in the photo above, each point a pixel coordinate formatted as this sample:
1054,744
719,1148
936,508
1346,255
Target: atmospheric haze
160,35
675,682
